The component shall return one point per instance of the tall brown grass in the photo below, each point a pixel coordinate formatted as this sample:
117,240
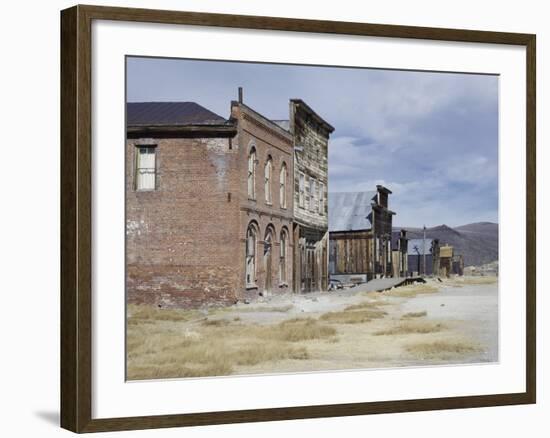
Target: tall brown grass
300,329
163,348
353,316
442,349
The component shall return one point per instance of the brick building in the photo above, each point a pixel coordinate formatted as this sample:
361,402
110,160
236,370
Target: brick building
265,202
209,205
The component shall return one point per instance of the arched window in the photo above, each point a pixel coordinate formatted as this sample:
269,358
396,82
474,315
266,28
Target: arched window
252,174
268,173
250,255
282,186
282,256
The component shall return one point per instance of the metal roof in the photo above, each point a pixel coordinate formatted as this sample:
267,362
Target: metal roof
414,247
350,211
170,113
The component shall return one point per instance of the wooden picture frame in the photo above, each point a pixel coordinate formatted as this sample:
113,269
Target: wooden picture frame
76,218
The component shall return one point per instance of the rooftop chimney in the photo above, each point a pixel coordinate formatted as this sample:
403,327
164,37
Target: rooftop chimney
240,94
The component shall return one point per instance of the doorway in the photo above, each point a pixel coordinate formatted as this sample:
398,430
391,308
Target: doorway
268,250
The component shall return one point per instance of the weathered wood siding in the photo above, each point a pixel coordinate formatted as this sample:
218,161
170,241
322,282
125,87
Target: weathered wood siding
311,159
311,135
351,253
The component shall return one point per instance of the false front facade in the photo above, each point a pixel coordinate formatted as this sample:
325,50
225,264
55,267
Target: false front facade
311,138
360,226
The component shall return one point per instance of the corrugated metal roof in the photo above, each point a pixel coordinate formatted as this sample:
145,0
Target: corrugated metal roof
170,113
414,247
350,211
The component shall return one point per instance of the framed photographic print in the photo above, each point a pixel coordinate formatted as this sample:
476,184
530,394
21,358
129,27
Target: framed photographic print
269,218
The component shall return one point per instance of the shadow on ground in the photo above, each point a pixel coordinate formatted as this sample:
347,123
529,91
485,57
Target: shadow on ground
51,417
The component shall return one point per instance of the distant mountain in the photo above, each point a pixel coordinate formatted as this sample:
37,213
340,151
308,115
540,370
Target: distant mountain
477,242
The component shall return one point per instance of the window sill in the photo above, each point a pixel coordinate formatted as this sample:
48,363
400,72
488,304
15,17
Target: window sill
251,286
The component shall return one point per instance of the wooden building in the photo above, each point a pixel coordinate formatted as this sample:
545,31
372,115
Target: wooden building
423,257
400,260
310,230
451,263
446,253
360,228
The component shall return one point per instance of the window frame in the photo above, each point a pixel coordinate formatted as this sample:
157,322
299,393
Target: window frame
283,177
321,202
251,173
137,175
301,190
268,181
312,197
250,273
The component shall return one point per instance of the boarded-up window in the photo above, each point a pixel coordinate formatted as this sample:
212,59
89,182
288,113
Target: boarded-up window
251,256
282,186
145,168
268,174
252,174
301,199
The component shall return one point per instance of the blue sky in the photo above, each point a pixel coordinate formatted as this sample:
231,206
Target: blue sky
431,138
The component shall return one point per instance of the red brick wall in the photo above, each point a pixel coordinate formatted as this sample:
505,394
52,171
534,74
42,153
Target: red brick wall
269,140
186,240
181,239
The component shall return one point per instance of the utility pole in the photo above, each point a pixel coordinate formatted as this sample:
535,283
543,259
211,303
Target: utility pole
424,252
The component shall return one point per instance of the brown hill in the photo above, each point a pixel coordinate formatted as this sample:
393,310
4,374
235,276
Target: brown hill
477,242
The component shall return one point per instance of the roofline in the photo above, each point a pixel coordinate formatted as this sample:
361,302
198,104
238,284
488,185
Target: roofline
319,119
381,207
383,189
180,101
361,230
198,130
264,118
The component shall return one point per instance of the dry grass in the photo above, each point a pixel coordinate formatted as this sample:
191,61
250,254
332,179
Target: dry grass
442,349
412,290
352,316
414,315
299,329
215,322
365,305
281,309
162,348
411,327
149,313
462,281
